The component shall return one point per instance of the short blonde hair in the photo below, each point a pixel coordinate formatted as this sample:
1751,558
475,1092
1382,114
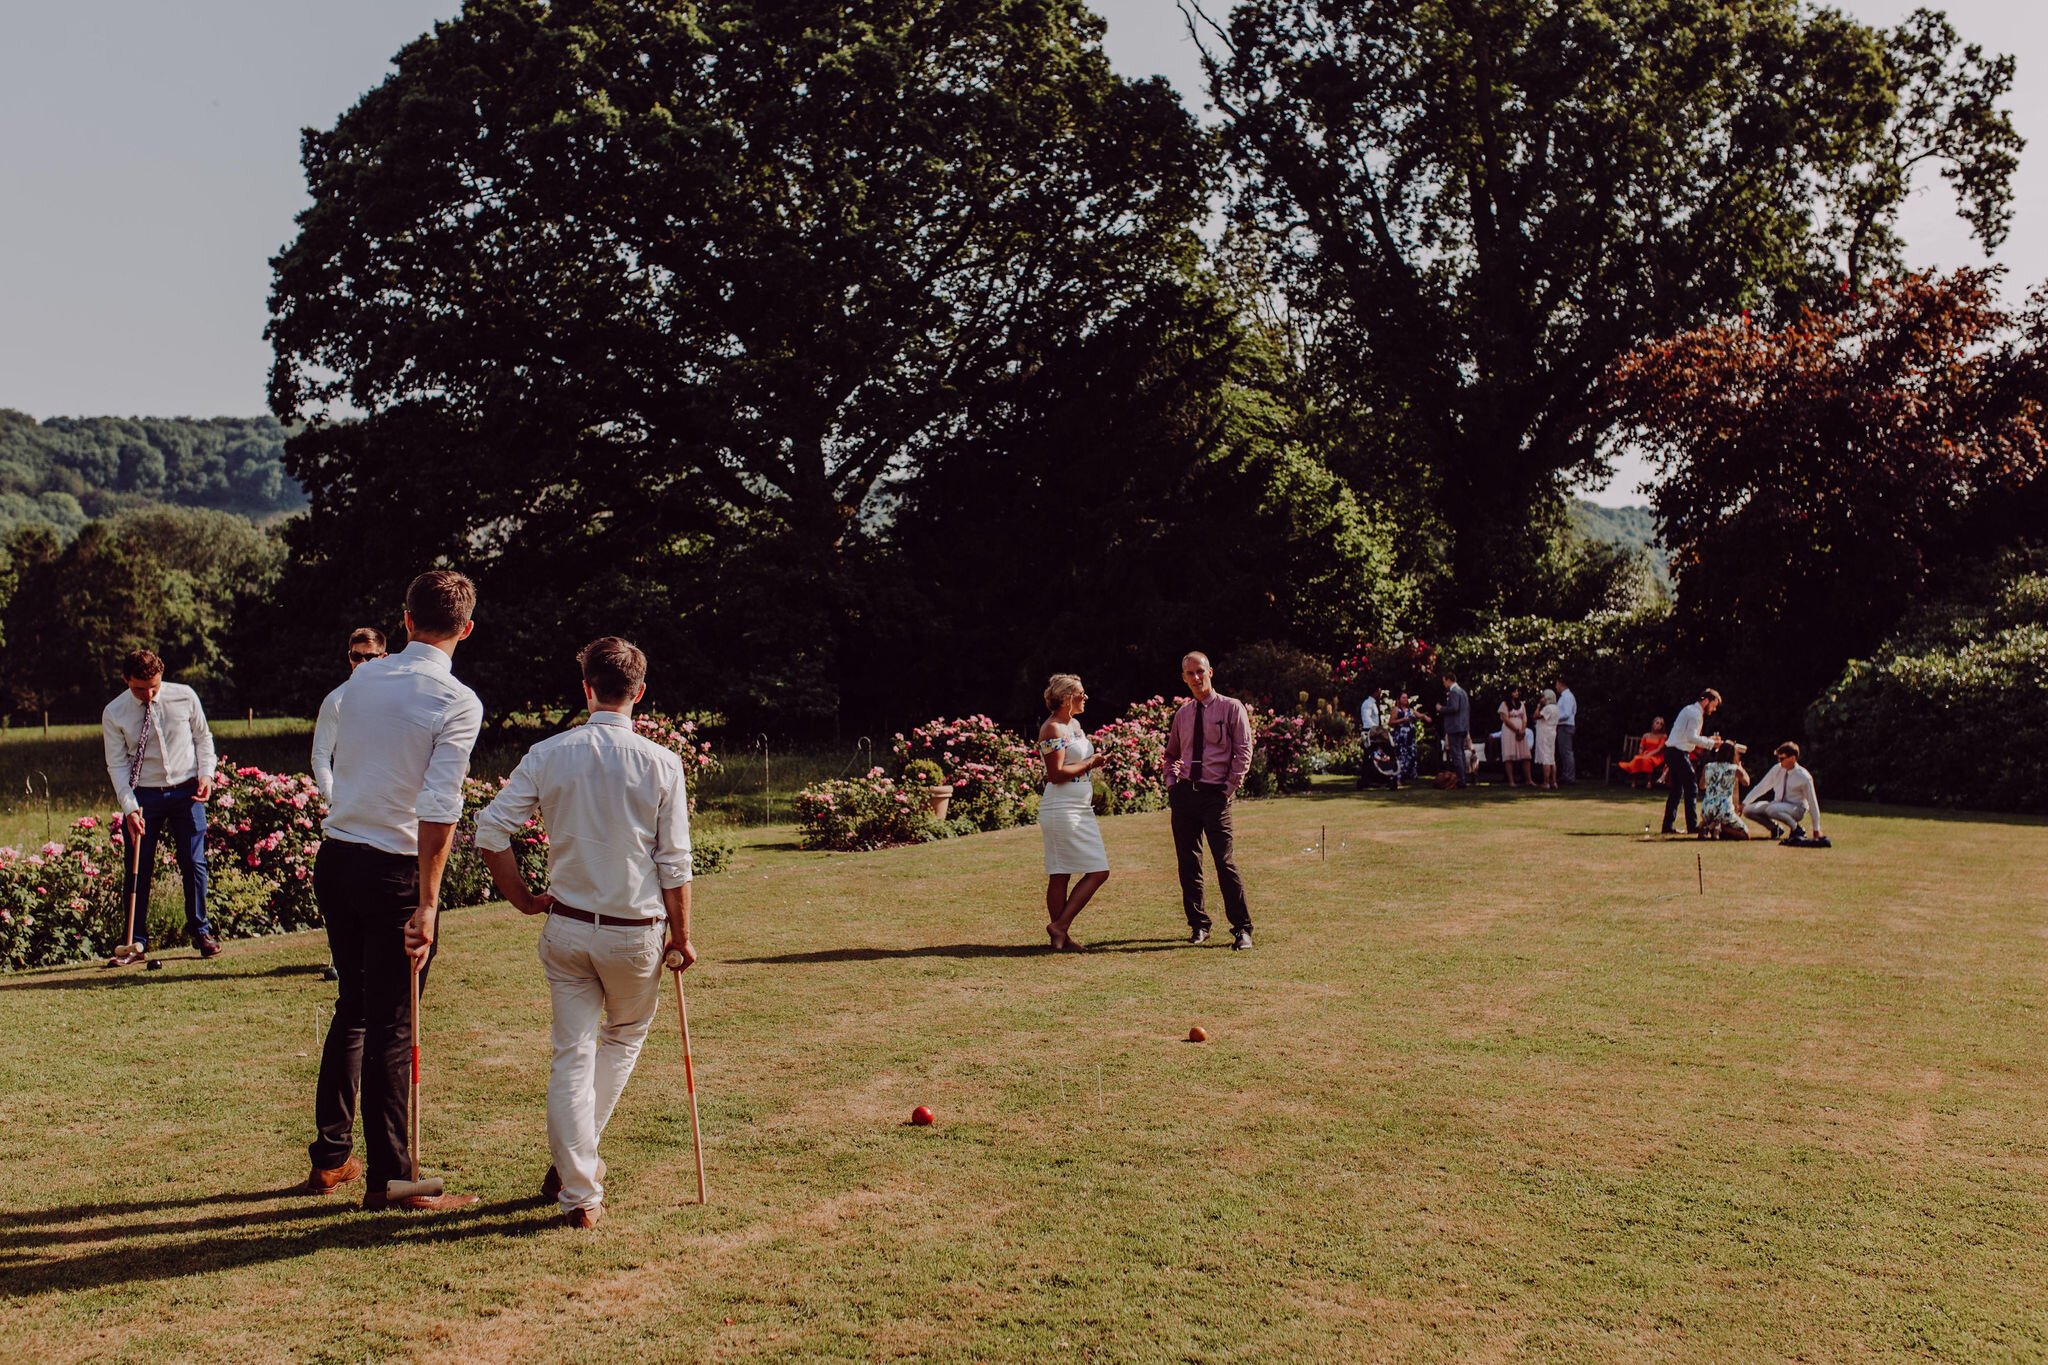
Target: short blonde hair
1058,687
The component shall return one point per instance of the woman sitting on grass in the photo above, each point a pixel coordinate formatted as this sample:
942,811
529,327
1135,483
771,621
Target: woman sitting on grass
1066,813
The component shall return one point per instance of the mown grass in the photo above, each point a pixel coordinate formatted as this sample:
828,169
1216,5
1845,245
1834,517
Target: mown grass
1498,1083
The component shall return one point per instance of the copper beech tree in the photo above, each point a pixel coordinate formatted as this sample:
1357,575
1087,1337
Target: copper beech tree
1813,476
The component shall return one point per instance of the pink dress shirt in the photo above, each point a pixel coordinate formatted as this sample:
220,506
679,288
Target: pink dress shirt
1226,743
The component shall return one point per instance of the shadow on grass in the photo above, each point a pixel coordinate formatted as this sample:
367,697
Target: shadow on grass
135,1258
958,950
86,977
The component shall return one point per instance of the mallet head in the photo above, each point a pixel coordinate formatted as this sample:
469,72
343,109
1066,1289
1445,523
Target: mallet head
412,1189
673,959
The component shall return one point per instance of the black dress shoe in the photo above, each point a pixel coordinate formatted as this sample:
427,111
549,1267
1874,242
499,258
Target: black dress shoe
1198,936
1240,940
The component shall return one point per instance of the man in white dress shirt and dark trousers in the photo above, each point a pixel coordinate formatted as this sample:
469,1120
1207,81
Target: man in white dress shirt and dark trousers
364,644
618,821
401,751
160,758
1681,768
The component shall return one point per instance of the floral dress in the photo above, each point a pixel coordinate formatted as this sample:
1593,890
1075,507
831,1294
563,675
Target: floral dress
1404,740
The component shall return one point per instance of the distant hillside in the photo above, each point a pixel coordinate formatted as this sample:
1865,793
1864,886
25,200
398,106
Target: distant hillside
1631,526
68,470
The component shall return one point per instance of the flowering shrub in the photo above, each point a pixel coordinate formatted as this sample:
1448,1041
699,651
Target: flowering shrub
61,902
466,881
1287,744
1133,751
857,813
263,826
995,773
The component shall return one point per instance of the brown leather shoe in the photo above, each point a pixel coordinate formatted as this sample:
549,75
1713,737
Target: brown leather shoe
376,1201
584,1218
551,1183
326,1182
209,946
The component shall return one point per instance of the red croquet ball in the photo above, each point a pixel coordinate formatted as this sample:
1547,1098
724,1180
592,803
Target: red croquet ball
921,1116
1198,1034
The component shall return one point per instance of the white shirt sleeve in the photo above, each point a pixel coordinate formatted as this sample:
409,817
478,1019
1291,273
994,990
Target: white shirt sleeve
114,738
672,858
513,806
202,742
440,798
325,729
1812,795
1685,731
1757,792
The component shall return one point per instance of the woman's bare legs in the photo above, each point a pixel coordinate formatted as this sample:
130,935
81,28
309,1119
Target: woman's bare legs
1528,771
1083,891
1055,906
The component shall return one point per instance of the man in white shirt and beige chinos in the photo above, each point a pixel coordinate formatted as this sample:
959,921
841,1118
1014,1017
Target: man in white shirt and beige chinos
617,816
401,751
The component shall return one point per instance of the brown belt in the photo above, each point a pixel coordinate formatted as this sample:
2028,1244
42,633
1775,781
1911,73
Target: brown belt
602,921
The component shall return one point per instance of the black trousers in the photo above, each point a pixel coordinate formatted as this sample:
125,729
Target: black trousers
1685,780
366,896
1201,812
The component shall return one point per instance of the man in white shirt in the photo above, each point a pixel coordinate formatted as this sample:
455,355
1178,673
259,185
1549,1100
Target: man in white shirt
617,816
400,753
1567,730
1680,764
160,758
364,644
1368,716
1784,796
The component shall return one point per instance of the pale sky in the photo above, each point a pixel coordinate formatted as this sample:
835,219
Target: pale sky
149,170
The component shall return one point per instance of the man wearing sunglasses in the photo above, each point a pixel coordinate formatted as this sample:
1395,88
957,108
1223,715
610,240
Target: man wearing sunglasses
364,644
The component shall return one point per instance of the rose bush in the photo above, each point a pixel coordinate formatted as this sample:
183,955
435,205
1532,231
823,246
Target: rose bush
996,775
853,814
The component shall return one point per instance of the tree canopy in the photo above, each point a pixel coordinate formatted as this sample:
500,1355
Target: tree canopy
67,469
1482,203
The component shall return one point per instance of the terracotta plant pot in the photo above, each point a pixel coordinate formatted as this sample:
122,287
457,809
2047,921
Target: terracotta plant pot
938,798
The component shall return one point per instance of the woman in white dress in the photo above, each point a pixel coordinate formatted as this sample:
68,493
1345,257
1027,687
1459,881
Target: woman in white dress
1066,813
1546,740
1514,736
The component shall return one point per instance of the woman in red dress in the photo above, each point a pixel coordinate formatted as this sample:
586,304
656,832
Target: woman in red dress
1649,757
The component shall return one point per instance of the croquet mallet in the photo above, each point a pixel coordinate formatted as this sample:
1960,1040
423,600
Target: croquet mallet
406,1189
130,849
674,962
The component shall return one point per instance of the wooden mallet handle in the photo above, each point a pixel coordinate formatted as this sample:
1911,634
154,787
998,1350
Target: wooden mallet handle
673,960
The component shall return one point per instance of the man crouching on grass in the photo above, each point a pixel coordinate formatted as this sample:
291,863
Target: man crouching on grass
618,826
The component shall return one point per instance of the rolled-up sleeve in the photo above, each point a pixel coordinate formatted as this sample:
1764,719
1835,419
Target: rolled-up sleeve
1240,747
672,860
325,728
511,808
440,798
203,762
115,740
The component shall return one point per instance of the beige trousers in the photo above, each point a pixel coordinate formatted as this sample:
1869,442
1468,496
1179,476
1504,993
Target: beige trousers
605,984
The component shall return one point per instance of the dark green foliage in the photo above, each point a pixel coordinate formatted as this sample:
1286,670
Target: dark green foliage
1953,709
661,298
175,579
1629,528
1623,667
67,469
1480,204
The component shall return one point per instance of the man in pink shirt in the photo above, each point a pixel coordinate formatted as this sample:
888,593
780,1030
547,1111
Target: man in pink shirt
1208,751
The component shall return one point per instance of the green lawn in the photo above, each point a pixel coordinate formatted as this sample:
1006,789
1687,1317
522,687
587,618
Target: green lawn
1498,1083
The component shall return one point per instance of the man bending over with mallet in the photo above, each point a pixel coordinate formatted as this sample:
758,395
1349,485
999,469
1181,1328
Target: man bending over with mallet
401,751
160,757
618,822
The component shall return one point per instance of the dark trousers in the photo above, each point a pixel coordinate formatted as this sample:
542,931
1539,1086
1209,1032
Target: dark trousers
1567,762
1204,812
1455,742
366,896
1684,778
176,809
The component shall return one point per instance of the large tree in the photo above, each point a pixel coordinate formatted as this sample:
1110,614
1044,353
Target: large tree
1814,476
662,295
1482,203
